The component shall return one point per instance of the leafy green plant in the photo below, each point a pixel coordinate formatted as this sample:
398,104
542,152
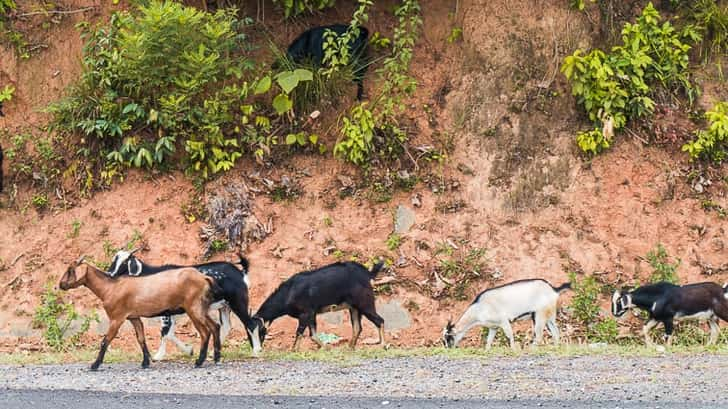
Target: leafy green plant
381,117
617,87
75,229
456,34
585,309
593,141
7,93
40,201
357,136
394,241
166,77
296,7
662,269
711,18
57,318
711,143
6,6
218,245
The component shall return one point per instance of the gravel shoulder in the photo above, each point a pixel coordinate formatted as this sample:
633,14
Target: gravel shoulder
668,379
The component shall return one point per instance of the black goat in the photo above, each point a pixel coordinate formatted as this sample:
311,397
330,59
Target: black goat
665,302
331,288
233,293
310,46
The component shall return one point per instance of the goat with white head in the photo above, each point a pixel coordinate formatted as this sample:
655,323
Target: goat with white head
499,306
233,281
665,302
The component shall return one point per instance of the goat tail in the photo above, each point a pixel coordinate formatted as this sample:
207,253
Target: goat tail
562,287
376,268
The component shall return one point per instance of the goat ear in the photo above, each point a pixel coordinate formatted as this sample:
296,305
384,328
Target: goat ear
134,266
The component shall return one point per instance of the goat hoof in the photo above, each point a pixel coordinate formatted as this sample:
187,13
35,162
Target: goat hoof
94,368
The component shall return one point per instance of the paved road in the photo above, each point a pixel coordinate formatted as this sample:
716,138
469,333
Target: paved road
71,399
599,381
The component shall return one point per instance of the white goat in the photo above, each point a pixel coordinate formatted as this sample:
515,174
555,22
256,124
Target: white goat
499,306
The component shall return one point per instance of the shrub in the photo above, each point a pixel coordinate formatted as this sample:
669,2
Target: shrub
712,20
662,269
57,318
585,309
381,118
296,7
711,143
616,87
170,76
6,6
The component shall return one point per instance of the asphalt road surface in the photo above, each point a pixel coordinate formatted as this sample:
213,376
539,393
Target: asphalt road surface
670,381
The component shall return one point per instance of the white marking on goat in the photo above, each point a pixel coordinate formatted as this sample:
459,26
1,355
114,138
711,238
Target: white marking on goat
654,304
120,258
700,316
245,279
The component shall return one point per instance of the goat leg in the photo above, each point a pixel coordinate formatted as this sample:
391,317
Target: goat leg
110,335
139,331
355,326
646,330
714,331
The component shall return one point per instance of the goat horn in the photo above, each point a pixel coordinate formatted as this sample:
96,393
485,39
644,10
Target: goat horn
80,260
134,250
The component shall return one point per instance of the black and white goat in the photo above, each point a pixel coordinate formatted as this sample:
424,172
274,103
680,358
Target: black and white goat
233,282
499,306
310,46
334,287
665,303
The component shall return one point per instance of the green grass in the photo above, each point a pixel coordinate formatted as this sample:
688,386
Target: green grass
341,355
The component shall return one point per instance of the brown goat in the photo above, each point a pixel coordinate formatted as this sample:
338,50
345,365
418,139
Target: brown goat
130,298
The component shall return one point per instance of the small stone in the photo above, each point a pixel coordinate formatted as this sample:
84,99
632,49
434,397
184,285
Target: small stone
404,219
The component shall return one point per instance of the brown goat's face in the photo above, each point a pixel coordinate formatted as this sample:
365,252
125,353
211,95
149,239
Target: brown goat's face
71,279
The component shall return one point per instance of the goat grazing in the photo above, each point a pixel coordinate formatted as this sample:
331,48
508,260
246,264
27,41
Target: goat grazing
232,281
499,306
665,303
334,287
310,46
130,298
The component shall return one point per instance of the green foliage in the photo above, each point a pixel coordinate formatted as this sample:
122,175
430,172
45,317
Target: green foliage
592,142
357,142
7,93
6,6
75,229
711,143
296,7
586,311
712,20
617,87
57,318
336,47
218,245
577,4
394,241
460,269
662,269
39,201
357,136
456,35
167,76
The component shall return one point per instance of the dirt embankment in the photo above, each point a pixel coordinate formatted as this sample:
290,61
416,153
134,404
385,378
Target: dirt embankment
512,184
